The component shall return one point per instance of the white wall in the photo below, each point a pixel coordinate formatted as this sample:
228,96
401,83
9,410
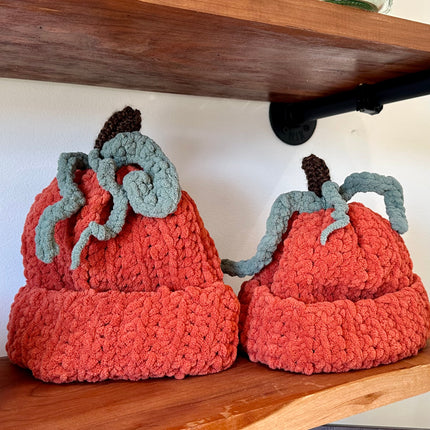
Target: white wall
228,160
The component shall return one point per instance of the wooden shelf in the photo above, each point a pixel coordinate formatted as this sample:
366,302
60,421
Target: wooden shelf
280,50
247,395
283,50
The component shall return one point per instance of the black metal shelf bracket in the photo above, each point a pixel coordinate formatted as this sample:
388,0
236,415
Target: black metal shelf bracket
295,123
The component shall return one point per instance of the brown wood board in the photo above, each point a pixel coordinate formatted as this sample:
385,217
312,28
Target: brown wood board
248,395
284,50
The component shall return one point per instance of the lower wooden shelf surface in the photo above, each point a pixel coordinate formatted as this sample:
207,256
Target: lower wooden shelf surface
248,395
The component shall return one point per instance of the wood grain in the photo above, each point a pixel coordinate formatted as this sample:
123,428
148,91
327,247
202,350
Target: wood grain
282,50
248,395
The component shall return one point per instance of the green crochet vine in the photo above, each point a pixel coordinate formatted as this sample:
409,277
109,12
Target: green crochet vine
327,195
153,191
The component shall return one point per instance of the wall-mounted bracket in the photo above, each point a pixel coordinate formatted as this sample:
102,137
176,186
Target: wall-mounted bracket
294,123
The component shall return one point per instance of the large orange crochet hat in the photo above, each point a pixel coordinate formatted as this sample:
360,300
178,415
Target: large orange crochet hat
333,287
123,280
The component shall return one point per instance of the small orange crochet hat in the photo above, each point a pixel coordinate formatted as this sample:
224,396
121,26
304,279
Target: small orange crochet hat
123,280
333,287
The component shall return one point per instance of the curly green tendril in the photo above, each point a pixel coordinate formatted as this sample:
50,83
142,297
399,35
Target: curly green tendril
153,191
333,196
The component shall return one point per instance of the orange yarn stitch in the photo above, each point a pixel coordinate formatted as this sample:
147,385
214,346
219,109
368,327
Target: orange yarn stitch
338,307
175,251
352,303
150,302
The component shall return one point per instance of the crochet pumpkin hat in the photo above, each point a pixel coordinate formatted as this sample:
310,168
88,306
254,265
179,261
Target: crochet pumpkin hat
333,287
123,280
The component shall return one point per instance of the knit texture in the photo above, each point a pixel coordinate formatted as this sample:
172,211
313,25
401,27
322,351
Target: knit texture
332,197
351,302
152,190
147,302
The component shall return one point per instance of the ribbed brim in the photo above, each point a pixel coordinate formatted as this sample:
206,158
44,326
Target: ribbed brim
64,335
332,336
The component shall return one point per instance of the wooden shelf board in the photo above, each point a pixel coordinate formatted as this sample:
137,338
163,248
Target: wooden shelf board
248,395
284,50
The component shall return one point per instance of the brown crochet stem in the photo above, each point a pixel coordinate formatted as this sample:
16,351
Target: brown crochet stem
316,172
127,119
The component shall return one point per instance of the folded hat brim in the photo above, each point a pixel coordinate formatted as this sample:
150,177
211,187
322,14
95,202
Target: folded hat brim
332,336
64,336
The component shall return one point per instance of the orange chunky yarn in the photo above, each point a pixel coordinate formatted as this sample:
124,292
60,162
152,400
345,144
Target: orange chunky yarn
149,302
351,303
